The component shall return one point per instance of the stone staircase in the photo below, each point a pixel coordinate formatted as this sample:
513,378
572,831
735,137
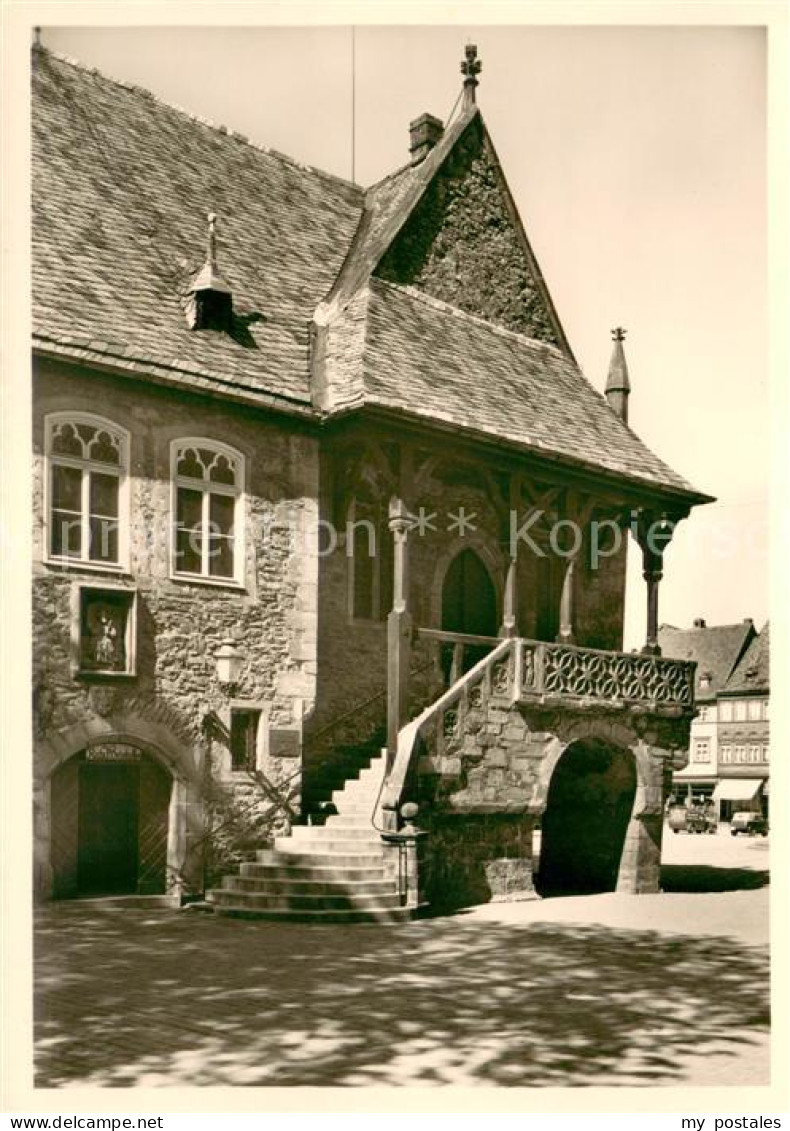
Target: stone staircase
330,873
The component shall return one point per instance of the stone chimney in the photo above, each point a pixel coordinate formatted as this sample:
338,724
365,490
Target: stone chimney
424,133
618,386
700,622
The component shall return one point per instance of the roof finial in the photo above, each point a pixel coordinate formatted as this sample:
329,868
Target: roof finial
618,385
37,34
470,69
211,250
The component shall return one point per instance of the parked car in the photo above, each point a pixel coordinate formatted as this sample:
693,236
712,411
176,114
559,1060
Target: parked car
753,824
693,820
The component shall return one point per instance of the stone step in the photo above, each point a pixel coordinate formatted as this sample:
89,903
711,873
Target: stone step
379,915
326,858
287,902
287,885
296,870
331,844
344,830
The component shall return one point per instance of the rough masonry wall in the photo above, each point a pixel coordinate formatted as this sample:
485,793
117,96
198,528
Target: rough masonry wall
599,604
488,769
181,624
461,245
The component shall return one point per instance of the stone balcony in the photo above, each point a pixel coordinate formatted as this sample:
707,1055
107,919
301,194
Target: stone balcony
538,679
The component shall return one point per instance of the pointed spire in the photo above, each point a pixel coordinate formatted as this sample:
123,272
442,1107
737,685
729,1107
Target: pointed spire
618,385
211,306
470,69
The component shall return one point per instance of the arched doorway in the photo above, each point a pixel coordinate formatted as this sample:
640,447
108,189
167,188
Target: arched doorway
469,606
110,820
469,597
591,797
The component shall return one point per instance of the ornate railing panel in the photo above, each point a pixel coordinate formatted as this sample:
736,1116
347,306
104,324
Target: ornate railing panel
563,671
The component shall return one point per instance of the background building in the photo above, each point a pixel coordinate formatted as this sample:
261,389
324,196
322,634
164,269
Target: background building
728,748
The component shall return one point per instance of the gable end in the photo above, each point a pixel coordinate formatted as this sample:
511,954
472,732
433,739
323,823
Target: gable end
463,244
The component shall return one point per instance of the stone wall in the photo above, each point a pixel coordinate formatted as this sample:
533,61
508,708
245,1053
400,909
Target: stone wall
180,624
462,246
483,785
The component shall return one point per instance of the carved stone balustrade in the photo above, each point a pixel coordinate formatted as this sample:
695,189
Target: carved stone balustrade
532,673
572,675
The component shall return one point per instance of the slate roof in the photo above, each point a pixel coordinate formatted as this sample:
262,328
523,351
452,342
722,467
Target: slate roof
716,650
397,348
753,672
122,184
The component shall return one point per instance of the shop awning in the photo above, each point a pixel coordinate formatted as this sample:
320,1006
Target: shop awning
737,789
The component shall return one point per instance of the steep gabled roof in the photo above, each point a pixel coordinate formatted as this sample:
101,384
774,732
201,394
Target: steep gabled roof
122,185
753,673
399,349
716,650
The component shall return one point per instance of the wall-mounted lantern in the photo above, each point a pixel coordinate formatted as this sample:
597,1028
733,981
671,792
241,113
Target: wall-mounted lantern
229,662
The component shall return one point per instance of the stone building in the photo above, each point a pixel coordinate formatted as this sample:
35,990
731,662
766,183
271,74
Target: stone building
316,476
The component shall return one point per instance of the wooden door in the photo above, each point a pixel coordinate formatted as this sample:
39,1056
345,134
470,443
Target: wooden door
108,828
155,788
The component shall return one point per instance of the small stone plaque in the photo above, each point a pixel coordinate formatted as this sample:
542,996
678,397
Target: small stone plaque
112,752
284,743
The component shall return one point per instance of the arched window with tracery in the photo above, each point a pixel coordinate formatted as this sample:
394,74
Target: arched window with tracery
87,490
207,541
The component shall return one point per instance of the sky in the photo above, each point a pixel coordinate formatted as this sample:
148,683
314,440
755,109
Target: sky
637,160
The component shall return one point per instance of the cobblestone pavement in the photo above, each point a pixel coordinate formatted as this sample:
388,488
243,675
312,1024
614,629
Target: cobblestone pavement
615,990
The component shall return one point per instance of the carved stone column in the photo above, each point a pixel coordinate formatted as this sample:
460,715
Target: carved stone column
653,532
565,634
510,602
399,629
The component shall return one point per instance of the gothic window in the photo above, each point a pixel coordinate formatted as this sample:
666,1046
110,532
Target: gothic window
369,550
86,504
207,508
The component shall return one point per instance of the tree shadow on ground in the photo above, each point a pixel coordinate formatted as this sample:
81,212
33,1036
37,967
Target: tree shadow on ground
133,998
704,877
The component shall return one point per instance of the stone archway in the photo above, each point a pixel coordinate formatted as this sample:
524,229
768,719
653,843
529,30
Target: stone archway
589,808
110,822
173,775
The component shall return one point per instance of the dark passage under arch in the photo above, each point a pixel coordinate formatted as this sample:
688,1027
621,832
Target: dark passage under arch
590,800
